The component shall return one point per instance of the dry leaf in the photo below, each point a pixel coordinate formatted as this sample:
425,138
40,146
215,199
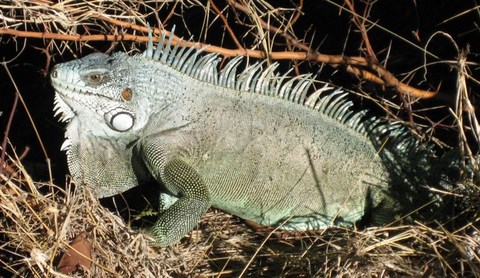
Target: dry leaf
78,254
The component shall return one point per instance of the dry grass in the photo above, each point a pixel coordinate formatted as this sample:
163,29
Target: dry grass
40,222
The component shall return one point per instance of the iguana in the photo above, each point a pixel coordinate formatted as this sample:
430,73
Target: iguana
260,145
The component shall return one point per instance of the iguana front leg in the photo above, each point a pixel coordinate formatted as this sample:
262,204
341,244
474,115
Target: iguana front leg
181,180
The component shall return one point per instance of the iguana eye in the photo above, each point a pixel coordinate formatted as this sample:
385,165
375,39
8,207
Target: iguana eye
95,78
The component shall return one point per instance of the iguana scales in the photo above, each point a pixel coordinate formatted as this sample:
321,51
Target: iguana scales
260,145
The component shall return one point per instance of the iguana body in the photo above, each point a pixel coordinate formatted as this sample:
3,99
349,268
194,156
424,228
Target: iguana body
250,144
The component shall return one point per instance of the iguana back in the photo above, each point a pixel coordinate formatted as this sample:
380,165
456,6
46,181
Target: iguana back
251,144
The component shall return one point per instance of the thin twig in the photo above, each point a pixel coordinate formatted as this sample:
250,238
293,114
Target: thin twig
7,129
227,26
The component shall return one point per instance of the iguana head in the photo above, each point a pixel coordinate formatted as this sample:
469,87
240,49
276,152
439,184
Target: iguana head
97,89
97,97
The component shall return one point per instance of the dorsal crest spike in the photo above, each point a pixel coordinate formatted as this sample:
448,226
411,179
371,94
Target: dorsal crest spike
166,48
279,90
229,72
313,98
266,79
159,49
301,88
173,53
243,79
149,52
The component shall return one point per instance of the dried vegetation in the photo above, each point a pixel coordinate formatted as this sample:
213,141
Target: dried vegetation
49,230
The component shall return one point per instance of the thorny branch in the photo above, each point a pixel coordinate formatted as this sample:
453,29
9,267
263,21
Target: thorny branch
366,69
354,65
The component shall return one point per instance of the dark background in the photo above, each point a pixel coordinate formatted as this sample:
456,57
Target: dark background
322,25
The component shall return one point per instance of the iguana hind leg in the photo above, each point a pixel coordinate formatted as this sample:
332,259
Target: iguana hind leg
184,182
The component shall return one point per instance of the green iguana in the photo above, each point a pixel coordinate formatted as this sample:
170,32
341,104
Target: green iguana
262,146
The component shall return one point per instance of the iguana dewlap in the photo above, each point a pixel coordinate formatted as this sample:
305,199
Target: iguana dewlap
262,146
